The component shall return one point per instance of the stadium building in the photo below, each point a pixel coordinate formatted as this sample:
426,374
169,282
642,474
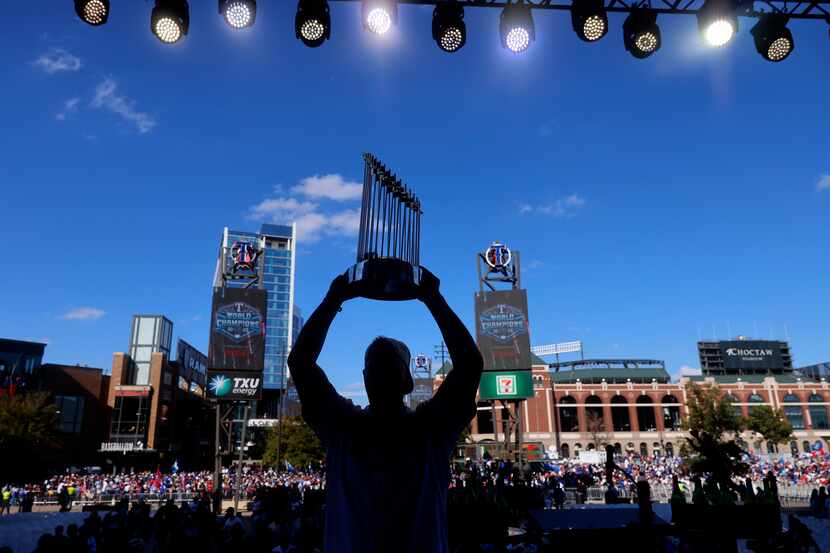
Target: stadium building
634,405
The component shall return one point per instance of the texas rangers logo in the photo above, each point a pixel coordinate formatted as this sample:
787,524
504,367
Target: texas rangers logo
498,256
244,256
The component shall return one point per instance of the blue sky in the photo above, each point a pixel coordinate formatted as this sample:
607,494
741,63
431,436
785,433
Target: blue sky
651,200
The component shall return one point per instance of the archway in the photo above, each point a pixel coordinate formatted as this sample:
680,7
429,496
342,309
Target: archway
568,416
671,412
619,414
645,414
754,400
565,453
669,449
731,398
643,449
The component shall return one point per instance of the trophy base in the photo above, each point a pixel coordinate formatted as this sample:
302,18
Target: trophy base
386,279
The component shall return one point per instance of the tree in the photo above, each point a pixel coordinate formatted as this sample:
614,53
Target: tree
27,434
713,426
596,427
298,445
770,423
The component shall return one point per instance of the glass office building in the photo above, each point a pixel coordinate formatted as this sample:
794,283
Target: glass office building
149,334
276,266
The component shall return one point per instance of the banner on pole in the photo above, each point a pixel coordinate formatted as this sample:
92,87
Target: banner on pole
237,330
502,330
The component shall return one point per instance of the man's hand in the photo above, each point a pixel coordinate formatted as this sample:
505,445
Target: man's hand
428,288
340,290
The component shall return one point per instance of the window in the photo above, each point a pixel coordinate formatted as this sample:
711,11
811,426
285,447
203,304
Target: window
643,449
566,452
670,449
818,413
70,412
794,413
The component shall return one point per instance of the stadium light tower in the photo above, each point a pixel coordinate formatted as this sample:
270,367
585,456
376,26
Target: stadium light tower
773,39
312,24
170,20
448,28
516,28
717,22
93,12
238,14
379,15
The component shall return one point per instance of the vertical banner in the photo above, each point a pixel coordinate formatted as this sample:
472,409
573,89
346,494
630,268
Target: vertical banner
502,330
237,330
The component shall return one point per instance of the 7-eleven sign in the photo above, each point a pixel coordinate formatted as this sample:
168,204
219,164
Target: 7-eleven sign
506,385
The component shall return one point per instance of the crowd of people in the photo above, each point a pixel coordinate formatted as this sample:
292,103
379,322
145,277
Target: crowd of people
286,508
67,489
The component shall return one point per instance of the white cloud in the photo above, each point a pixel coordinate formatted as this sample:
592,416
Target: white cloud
57,60
563,207
106,97
687,370
69,107
83,314
548,127
355,391
332,187
313,223
823,183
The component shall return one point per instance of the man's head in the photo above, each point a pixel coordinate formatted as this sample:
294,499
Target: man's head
386,372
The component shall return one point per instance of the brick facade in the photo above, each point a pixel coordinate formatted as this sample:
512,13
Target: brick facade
644,417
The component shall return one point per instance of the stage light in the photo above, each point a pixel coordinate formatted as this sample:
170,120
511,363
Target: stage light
773,39
312,25
717,22
448,28
641,35
93,12
379,15
238,14
516,27
589,19
170,20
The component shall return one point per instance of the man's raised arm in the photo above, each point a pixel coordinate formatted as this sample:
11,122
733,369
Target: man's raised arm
315,391
455,399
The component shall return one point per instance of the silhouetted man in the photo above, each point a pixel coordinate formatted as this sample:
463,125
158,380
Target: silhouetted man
387,466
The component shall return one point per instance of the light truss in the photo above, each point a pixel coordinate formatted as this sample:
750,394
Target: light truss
819,9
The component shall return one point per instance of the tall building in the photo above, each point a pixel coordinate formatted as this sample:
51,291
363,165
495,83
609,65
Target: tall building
149,334
276,266
744,356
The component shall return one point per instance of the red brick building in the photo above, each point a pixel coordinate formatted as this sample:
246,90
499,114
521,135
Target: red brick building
80,398
637,408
